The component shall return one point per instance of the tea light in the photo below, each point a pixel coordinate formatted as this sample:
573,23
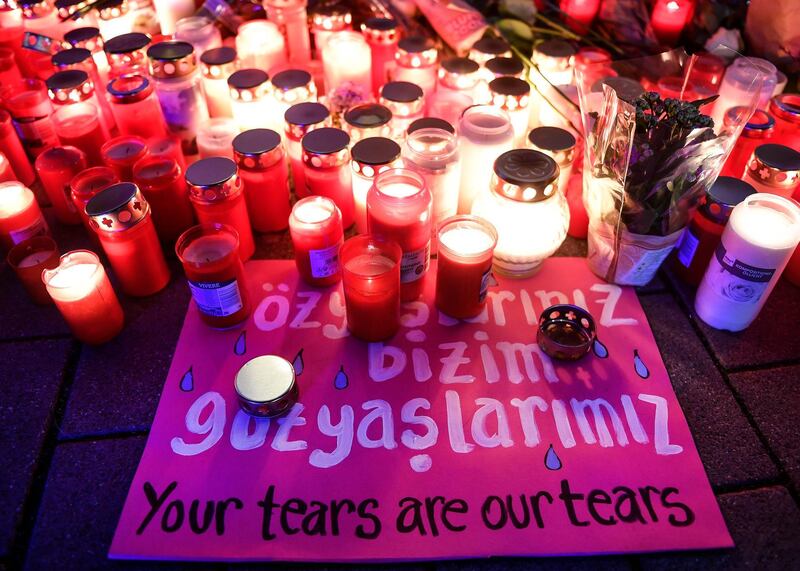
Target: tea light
579,14
161,180
512,95
463,275
488,48
82,293
352,48
78,125
215,273
668,19
326,21
28,259
266,386
382,36
558,144
20,216
406,102
260,45
168,13
56,167
127,53
326,162
215,137
370,157
417,61
200,32
135,106
566,332
292,19
13,151
218,64
367,120
371,284
315,226
460,75
251,100
121,153
292,86
85,185
775,169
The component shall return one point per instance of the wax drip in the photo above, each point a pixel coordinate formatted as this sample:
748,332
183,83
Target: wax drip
340,381
638,364
298,363
551,459
599,349
187,381
240,347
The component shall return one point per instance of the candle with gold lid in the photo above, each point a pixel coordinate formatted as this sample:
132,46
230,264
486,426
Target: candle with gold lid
460,75
300,119
382,35
417,62
559,144
326,160
292,19
370,157
775,169
326,21
127,53
406,101
367,120
20,216
251,99
135,106
218,64
292,86
260,45
512,95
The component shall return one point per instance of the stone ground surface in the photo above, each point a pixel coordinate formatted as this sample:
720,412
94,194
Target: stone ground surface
76,419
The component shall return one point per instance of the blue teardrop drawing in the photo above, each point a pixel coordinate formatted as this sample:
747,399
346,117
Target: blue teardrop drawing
599,349
298,363
187,381
340,381
638,364
240,347
551,459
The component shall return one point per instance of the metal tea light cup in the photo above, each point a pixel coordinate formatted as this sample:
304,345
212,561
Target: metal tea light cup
266,386
566,332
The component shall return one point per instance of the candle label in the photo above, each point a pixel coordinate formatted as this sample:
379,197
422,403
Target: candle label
687,248
324,262
739,282
219,299
38,228
486,281
414,264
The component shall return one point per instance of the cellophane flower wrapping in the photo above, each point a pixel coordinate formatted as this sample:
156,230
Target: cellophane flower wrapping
642,184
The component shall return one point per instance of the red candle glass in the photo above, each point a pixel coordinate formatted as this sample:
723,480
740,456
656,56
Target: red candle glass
6,172
316,229
792,271
135,106
85,185
28,259
217,195
300,119
579,14
785,108
466,244
215,274
669,18
78,125
80,289
674,87
399,209
12,149
382,36
82,59
265,176
30,108
162,182
121,218
758,130
121,153
167,146
127,53
73,87
9,72
326,167
56,168
20,216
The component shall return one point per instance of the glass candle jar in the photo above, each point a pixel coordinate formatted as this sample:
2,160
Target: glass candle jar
20,216
260,45
593,64
558,144
82,293
347,57
200,32
39,17
512,95
167,146
382,36
485,132
85,185
315,226
114,18
326,21
56,167
464,267
737,85
775,169
121,153
416,61
6,172
78,125
169,12
488,48
29,259
762,233
264,172
89,37
530,215
759,130
292,19
75,86
218,64
120,217
370,157
504,67
215,137
431,123
217,194
579,14
399,209
406,103
554,60
127,54
29,106
371,284
135,106
9,72
326,169
251,100
81,59
367,120
12,149
300,119
701,237
292,86
459,75
163,185
215,273
75,14
785,108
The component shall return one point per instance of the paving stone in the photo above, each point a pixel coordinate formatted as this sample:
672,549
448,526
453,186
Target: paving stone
538,564
31,374
764,524
274,246
773,399
331,567
728,445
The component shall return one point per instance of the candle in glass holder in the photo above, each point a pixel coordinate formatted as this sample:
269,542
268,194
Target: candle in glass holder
554,60
170,11
431,123
449,105
200,32
40,17
326,21
504,67
135,106
56,168
371,284
20,216
315,226
347,57
737,85
668,19
785,108
74,14
558,144
292,19
168,146
382,36
512,95
215,273
114,18
774,169
218,64
759,130
265,176
217,195
300,119
121,153
579,14
464,268
487,48
260,45
13,151
327,170
370,157
367,120
163,185
82,293
78,125
89,37
251,100
81,59
127,54
9,72
74,86
29,106
399,209
215,137
593,64
6,172
706,71
29,259
762,233
406,103
417,61
85,185
120,216
459,75
292,86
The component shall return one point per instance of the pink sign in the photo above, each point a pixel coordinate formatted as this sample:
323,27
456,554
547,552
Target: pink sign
452,440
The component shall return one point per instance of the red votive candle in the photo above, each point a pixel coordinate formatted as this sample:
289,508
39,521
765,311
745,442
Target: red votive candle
135,106
706,72
316,229
759,130
80,289
78,125
121,153
265,174
371,283
300,119
28,259
326,168
463,275
215,274
382,36
20,216
167,146
9,72
85,185
14,152
675,87
72,87
120,217
217,195
29,106
579,14
127,53
56,168
669,18
162,182
399,209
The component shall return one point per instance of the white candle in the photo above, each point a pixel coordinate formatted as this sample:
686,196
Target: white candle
742,85
260,45
400,189
215,137
347,57
312,212
466,241
170,11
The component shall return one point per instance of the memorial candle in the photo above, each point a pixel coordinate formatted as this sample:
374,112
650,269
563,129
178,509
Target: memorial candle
347,57
251,100
705,72
163,185
114,18
554,60
85,185
215,137
504,67
56,168
20,216
759,130
774,169
292,19
738,84
579,14
135,106
512,95
260,45
326,21
127,54
121,153
382,36
367,120
89,37
218,64
559,145
167,146
488,48
459,75
81,59
370,157
201,32
417,61
29,259
406,102
785,108
6,172
326,163
9,72
13,151
315,226
82,293
449,105
73,86
292,86
78,125
300,119
29,106
170,11
668,19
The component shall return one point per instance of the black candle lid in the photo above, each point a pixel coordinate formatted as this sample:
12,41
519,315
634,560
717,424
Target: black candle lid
79,36
127,43
505,66
525,175
210,172
775,165
247,79
430,123
325,141
460,65
507,85
381,24
67,79
291,79
375,151
553,139
117,207
218,56
778,157
555,48
368,115
170,50
415,44
495,46
306,113
723,196
256,141
70,57
401,91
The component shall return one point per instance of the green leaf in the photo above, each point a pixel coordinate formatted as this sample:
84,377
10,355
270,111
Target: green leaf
525,10
516,32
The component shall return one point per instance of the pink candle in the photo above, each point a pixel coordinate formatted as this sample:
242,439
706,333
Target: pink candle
326,162
74,86
167,146
6,172
669,18
300,119
121,153
20,216
399,208
56,167
316,229
579,13
417,61
28,259
135,106
382,36
78,125
164,187
85,185
14,152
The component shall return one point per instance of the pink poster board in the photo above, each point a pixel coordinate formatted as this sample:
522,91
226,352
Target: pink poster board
452,440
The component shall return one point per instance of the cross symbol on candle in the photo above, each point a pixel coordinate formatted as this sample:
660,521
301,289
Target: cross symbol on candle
570,315
137,205
764,173
108,222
